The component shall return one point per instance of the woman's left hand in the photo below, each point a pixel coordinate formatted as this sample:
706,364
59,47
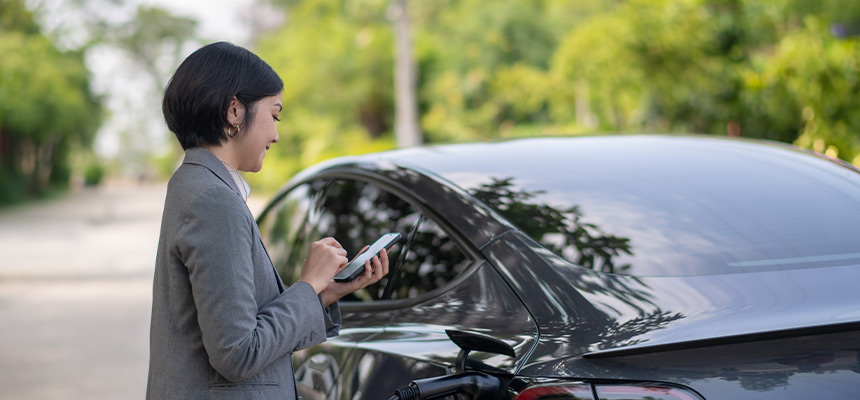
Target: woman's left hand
374,270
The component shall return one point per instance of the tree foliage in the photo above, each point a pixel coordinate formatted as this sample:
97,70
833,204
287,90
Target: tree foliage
46,107
154,39
784,70
335,58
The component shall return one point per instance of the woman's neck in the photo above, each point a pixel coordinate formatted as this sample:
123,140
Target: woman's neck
224,153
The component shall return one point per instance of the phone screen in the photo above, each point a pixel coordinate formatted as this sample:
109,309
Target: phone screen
356,267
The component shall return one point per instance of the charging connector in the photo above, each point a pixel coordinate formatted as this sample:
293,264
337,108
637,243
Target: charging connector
475,385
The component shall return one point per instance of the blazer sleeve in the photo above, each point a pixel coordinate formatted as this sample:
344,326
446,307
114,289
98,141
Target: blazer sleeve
332,319
240,336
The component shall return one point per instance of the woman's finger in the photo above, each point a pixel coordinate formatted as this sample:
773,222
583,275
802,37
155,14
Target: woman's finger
363,249
368,271
384,261
331,242
377,265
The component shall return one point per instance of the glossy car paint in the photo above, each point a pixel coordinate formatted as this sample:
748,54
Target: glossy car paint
490,308
768,334
724,336
414,345
655,190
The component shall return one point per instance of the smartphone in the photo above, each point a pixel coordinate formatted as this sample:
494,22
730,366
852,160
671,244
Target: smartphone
356,267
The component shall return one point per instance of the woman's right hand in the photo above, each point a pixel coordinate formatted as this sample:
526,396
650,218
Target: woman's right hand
325,258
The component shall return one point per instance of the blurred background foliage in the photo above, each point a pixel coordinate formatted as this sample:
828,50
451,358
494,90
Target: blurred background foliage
47,111
786,70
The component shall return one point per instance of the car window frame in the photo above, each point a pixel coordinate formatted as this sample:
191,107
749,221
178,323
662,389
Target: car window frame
471,253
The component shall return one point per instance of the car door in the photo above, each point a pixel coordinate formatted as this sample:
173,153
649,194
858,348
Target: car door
355,212
394,331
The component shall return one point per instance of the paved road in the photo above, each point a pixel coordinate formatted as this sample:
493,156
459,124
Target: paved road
75,294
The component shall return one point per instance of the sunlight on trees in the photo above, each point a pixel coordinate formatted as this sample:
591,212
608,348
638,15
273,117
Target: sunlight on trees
785,70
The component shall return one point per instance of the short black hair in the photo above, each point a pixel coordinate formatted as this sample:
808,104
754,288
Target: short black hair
198,95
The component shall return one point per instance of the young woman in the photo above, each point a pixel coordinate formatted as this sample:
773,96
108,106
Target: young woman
223,322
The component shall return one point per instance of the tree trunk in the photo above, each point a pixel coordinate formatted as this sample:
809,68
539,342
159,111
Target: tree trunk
44,165
408,133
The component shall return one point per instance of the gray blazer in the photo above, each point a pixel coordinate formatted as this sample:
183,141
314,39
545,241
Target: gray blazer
223,325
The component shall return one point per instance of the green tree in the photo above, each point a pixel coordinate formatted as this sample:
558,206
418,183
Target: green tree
806,90
476,58
153,43
474,61
336,61
599,85
783,70
47,109
668,65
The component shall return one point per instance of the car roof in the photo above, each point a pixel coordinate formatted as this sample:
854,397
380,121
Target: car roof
697,201
528,159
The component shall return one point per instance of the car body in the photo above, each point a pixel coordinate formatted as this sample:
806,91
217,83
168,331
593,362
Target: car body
617,267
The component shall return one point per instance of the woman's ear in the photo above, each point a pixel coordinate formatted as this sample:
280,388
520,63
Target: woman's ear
236,112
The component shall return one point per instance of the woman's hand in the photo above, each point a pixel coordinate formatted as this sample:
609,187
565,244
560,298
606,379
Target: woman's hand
325,258
374,270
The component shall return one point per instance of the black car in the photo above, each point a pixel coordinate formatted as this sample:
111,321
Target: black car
614,267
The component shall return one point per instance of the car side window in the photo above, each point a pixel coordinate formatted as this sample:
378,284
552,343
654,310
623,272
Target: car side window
356,213
432,259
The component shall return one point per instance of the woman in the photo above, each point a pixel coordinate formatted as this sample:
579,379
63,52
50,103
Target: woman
223,322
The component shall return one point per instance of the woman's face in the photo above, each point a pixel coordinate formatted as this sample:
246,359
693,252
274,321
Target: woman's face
258,135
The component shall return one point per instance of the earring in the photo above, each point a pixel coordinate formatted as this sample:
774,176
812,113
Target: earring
230,133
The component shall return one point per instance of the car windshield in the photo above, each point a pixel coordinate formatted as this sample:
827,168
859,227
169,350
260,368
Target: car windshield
694,208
